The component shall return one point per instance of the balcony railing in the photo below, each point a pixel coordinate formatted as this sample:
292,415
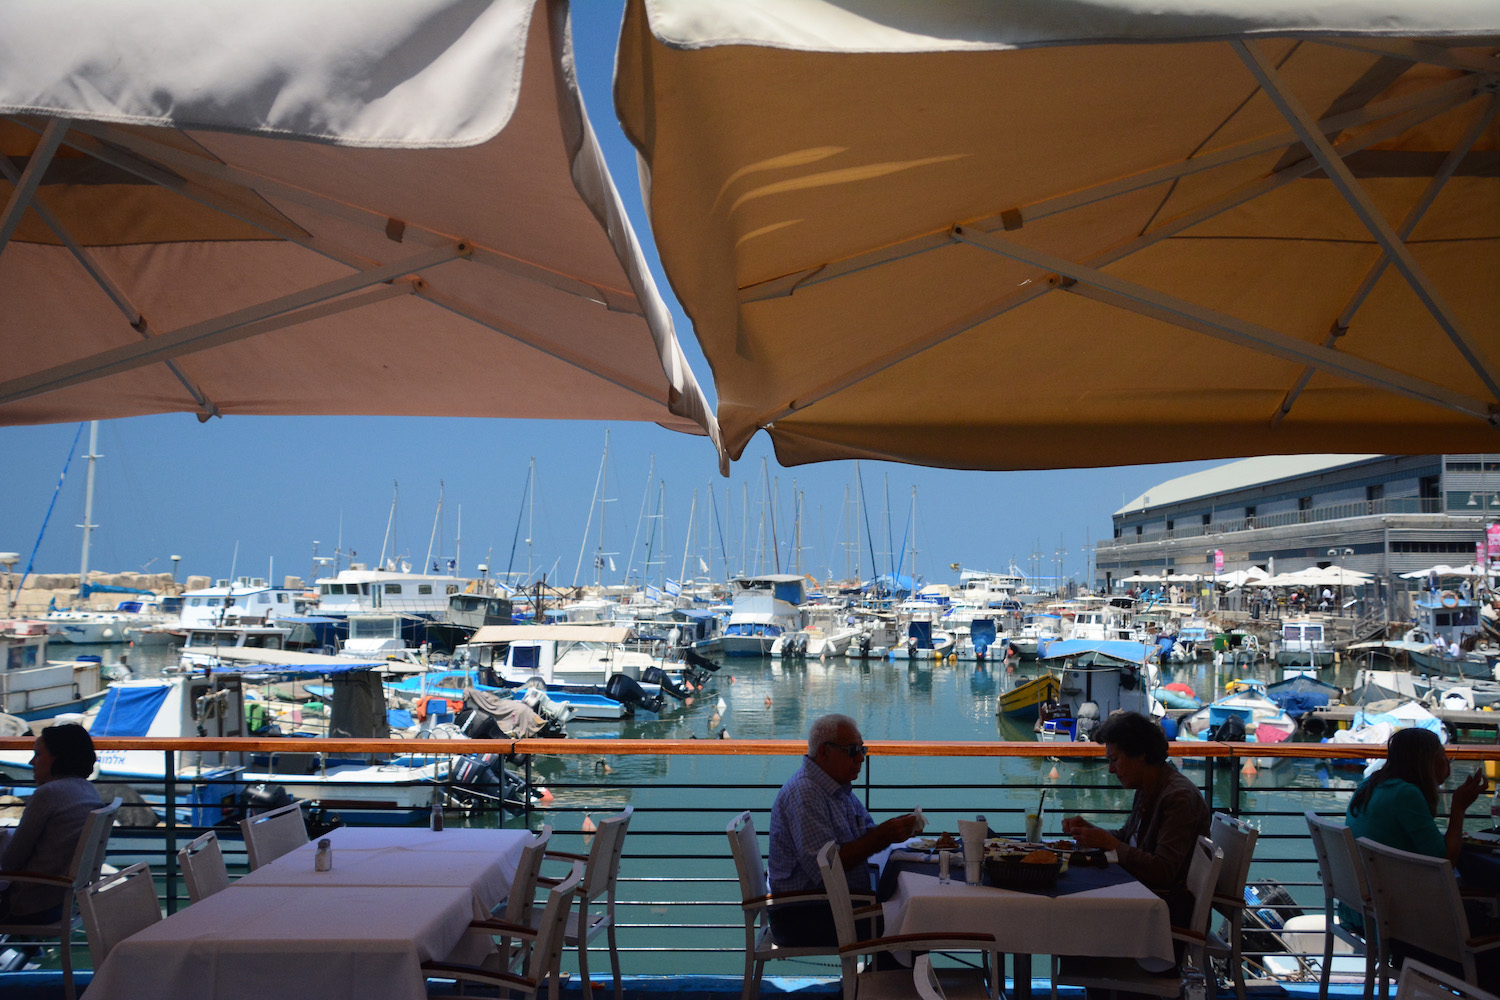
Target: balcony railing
1313,515
679,912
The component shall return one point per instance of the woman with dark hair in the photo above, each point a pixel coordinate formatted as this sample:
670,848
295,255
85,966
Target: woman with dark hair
1397,804
1166,818
55,815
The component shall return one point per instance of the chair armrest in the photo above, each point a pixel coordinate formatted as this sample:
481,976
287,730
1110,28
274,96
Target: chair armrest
564,856
862,897
933,941
502,928
549,880
40,878
1184,934
868,911
1483,943
791,896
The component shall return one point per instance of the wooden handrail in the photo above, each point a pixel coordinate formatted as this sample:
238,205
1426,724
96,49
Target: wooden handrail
743,748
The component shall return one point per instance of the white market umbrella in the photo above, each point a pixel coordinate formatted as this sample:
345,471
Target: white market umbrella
1241,577
1443,569
341,207
1034,235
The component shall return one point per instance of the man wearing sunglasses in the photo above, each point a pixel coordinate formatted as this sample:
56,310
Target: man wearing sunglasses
816,805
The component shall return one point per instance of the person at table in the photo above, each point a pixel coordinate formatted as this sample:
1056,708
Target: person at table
53,820
816,805
1167,816
1397,805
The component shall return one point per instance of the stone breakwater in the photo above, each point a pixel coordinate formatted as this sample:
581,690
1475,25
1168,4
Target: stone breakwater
41,589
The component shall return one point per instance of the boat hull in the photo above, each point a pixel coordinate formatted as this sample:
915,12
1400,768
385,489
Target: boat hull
1024,701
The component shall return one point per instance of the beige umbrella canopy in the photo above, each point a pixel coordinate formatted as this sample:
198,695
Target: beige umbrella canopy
330,208
1032,234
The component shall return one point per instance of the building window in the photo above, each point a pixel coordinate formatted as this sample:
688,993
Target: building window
1304,503
1139,530
1249,511
1207,519
1171,524
1376,492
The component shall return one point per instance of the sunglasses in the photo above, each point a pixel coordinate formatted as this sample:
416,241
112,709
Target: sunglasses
851,749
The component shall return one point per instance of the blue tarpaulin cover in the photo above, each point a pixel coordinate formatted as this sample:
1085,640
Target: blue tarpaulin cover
128,711
1115,649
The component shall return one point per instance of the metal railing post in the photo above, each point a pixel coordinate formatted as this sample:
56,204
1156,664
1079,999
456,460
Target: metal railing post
170,773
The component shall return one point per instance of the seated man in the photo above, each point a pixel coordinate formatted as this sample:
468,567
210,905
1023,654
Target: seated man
817,805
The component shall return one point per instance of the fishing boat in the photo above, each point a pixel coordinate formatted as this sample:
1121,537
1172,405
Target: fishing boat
1025,699
229,602
31,686
1035,633
1304,646
206,646
1248,710
1444,620
1098,677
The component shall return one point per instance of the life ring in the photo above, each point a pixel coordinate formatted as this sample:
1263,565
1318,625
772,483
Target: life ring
1450,599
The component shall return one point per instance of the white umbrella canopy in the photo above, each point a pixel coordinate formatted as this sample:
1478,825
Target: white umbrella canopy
1443,569
330,208
1031,235
1313,576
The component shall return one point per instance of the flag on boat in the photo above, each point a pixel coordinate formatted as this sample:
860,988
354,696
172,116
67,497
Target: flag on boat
674,588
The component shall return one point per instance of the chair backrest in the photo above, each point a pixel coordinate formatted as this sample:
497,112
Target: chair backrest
88,856
744,847
269,835
836,884
116,907
1236,839
551,930
1423,982
604,856
518,903
1204,873
203,868
1338,863
1416,899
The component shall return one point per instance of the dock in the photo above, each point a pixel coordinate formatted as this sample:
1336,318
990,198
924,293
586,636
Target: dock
1457,720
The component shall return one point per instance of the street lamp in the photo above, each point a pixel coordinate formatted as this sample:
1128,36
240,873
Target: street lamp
9,560
175,561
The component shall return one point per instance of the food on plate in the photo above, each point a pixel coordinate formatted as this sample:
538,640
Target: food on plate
946,842
1040,857
1063,846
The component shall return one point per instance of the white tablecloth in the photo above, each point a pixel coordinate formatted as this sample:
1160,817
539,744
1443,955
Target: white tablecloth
1117,921
483,860
290,942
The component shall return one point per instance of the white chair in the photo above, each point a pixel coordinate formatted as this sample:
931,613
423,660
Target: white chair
922,979
1126,973
519,904
88,860
755,901
269,835
1344,882
547,940
1236,839
1423,982
203,869
1417,902
116,907
601,872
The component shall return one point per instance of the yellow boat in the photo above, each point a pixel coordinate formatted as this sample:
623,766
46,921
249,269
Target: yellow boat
1025,699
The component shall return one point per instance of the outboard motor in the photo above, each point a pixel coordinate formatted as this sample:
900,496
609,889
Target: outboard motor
864,647
536,699
627,692
796,645
1231,730
263,797
658,676
911,648
1088,721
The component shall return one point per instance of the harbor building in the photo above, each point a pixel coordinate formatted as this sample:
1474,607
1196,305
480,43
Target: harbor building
1380,514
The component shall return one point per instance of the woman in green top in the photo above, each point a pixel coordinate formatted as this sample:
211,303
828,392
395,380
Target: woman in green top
1397,804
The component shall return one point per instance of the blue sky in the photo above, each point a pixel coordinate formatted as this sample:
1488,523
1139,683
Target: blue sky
255,493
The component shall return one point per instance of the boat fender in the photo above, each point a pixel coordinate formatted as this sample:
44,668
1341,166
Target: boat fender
1450,599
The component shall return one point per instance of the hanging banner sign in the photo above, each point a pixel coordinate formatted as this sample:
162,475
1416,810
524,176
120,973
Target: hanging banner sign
1219,553
1493,534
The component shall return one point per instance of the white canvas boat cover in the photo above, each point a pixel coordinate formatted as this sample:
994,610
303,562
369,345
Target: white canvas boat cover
1037,234
612,634
340,207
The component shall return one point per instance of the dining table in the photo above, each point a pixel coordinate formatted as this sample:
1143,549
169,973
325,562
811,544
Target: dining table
1100,911
392,899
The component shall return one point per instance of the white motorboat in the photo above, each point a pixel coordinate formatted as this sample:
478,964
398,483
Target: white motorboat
205,646
361,591
763,608
31,686
230,602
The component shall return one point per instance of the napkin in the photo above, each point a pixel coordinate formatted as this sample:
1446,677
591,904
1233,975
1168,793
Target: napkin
972,832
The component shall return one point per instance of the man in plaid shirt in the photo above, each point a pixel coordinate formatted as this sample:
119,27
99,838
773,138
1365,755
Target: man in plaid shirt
816,805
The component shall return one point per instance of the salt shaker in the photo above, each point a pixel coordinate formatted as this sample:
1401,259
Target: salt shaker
437,815
944,860
323,860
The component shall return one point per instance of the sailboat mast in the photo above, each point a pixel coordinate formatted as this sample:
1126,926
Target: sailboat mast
88,524
604,488
589,522
437,519
687,545
390,524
